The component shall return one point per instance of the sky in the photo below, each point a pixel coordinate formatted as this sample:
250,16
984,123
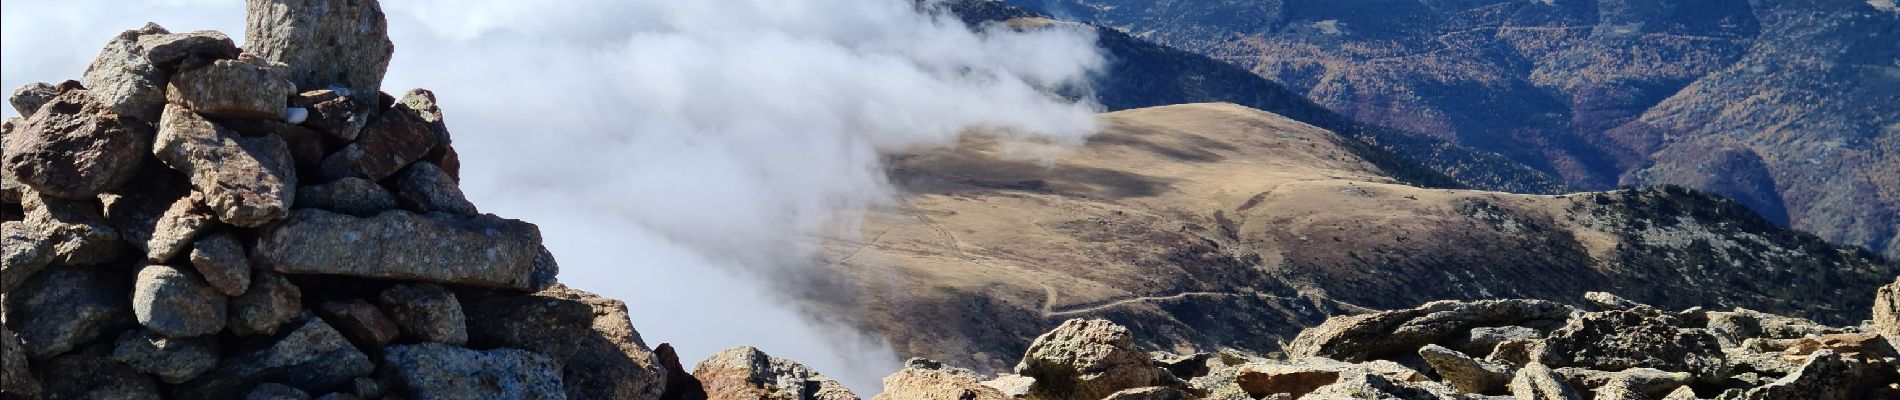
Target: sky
672,152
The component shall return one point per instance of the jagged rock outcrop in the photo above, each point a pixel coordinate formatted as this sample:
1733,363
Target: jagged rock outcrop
199,221
1087,359
745,373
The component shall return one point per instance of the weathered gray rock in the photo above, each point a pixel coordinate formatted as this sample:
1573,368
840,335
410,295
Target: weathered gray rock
1365,336
353,196
1682,393
169,48
1649,382
1618,340
158,213
76,148
273,391
1732,327
333,114
246,181
366,388
16,377
747,373
313,358
361,322
307,147
23,252
1619,390
426,312
125,80
1362,385
91,376
923,379
177,302
1465,373
1149,393
391,141
247,87
1606,301
1481,341
423,187
221,260
266,305
1012,385
1886,320
28,98
1828,376
173,360
1538,382
1087,359
10,188
440,371
74,229
63,307
604,357
472,250
1297,377
325,43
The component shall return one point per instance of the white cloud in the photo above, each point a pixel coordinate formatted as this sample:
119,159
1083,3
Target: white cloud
672,150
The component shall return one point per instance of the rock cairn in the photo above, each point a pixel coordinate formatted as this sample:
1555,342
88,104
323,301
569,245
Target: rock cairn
195,220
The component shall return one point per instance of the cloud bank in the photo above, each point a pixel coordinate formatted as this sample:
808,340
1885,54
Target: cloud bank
673,152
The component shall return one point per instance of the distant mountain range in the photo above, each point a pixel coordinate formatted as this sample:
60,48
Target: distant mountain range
1790,107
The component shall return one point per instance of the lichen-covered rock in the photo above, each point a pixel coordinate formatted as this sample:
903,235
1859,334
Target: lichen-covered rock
63,307
1481,341
221,260
361,322
426,312
313,357
1828,376
124,80
1465,373
604,357
1087,359
325,43
76,148
246,181
158,213
745,373
923,379
439,371
391,141
247,87
423,187
74,229
1149,393
168,48
1363,385
28,98
1732,327
23,253
175,230
1538,382
471,250
332,114
353,196
1649,382
177,302
1367,336
173,360
1618,340
266,305
1886,320
16,378
1297,377
91,376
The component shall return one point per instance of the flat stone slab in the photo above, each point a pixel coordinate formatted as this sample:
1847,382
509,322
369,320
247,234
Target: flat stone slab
471,250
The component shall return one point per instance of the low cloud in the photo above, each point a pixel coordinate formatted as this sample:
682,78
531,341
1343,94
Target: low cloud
673,152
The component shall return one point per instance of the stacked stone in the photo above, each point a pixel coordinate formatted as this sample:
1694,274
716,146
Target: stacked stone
198,221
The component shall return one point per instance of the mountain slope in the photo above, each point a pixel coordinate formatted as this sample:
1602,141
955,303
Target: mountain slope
1144,74
1212,226
1786,106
